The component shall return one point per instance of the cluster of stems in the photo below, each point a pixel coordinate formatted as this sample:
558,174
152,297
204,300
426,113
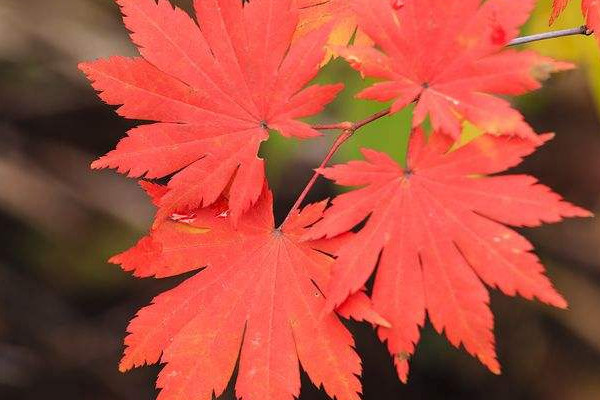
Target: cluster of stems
348,129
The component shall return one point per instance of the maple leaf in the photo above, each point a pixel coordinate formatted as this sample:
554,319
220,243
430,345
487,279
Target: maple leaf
589,8
438,230
214,90
449,57
257,297
316,13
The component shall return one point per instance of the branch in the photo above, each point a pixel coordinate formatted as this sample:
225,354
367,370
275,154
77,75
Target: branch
353,127
582,30
334,147
348,128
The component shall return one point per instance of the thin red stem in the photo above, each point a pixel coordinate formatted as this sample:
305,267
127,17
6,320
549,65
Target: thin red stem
348,129
370,119
334,148
339,125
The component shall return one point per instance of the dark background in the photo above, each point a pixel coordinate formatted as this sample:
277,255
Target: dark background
63,309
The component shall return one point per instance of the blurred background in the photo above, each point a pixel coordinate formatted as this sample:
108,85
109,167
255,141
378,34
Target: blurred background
63,309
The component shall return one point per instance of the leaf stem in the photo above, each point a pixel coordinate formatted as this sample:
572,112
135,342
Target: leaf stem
582,30
348,128
334,147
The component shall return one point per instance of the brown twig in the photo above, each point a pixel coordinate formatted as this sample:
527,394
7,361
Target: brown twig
582,30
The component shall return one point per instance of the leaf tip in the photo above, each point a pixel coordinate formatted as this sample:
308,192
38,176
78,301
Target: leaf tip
560,302
492,363
124,365
83,66
402,366
98,164
546,137
384,323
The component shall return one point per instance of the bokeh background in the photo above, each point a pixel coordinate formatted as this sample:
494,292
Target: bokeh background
63,309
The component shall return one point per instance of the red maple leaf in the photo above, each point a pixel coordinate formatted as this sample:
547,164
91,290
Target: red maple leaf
438,230
589,8
339,13
214,89
257,297
449,57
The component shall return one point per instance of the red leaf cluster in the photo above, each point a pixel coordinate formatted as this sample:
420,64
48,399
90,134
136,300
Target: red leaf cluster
438,230
449,57
257,296
214,90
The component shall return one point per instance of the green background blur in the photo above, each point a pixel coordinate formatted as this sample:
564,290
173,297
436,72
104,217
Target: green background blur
63,309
